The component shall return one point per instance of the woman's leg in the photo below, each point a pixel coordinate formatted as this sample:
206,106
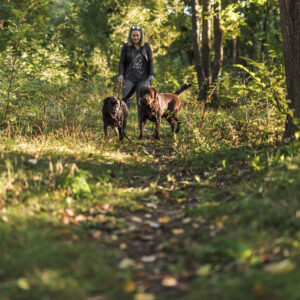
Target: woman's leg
127,86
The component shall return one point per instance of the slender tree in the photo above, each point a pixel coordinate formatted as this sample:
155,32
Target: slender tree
218,48
196,43
290,25
206,46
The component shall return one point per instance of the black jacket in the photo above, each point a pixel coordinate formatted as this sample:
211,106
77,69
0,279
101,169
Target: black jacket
127,55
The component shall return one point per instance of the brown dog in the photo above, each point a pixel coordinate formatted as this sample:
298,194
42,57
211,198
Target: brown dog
115,113
156,105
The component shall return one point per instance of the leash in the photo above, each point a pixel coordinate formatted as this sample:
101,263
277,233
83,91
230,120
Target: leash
120,87
127,137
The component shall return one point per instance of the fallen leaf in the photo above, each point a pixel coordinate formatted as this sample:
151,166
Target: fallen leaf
136,219
70,212
169,281
101,218
65,219
106,206
204,270
165,219
277,250
154,224
177,231
180,200
138,207
23,284
186,220
123,246
97,234
147,237
144,296
33,161
220,221
4,219
129,286
281,267
126,263
80,218
148,259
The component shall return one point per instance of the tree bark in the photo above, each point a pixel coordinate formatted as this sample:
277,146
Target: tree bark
218,49
233,50
265,29
196,43
290,26
218,43
206,47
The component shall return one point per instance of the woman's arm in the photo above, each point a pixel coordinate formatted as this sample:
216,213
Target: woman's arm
150,60
122,60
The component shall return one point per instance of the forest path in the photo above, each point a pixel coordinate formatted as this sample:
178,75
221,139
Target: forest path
155,232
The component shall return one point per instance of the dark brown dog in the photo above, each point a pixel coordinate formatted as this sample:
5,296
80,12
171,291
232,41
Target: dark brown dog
156,105
115,113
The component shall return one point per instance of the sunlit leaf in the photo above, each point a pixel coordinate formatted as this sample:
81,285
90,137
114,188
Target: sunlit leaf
178,231
169,281
129,286
281,267
23,284
144,296
164,219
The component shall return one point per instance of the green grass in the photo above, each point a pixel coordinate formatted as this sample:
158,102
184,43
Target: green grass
76,221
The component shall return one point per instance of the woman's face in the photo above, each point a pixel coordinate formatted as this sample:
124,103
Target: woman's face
135,36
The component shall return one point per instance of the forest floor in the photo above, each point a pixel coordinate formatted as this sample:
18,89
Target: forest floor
140,220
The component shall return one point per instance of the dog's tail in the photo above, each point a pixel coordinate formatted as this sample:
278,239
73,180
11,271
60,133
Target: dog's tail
182,89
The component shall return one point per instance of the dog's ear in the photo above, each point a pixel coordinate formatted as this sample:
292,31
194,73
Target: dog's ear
105,104
105,101
155,93
142,91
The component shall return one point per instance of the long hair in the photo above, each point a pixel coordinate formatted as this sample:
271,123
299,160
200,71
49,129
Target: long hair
142,40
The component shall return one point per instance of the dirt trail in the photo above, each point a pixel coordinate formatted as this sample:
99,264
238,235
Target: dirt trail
154,239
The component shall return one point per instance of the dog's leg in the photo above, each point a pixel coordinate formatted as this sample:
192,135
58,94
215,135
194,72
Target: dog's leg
172,123
157,128
142,130
178,120
106,130
116,131
121,133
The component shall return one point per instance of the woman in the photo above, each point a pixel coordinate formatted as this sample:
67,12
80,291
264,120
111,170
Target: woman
136,64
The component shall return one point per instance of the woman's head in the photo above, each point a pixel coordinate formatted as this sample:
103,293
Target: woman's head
136,36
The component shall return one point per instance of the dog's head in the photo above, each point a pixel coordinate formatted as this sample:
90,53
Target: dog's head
112,107
148,96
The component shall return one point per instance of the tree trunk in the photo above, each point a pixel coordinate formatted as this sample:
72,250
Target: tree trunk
218,43
206,47
196,44
265,30
233,50
290,26
218,47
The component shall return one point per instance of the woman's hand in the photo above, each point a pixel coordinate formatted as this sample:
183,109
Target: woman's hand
120,78
151,78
